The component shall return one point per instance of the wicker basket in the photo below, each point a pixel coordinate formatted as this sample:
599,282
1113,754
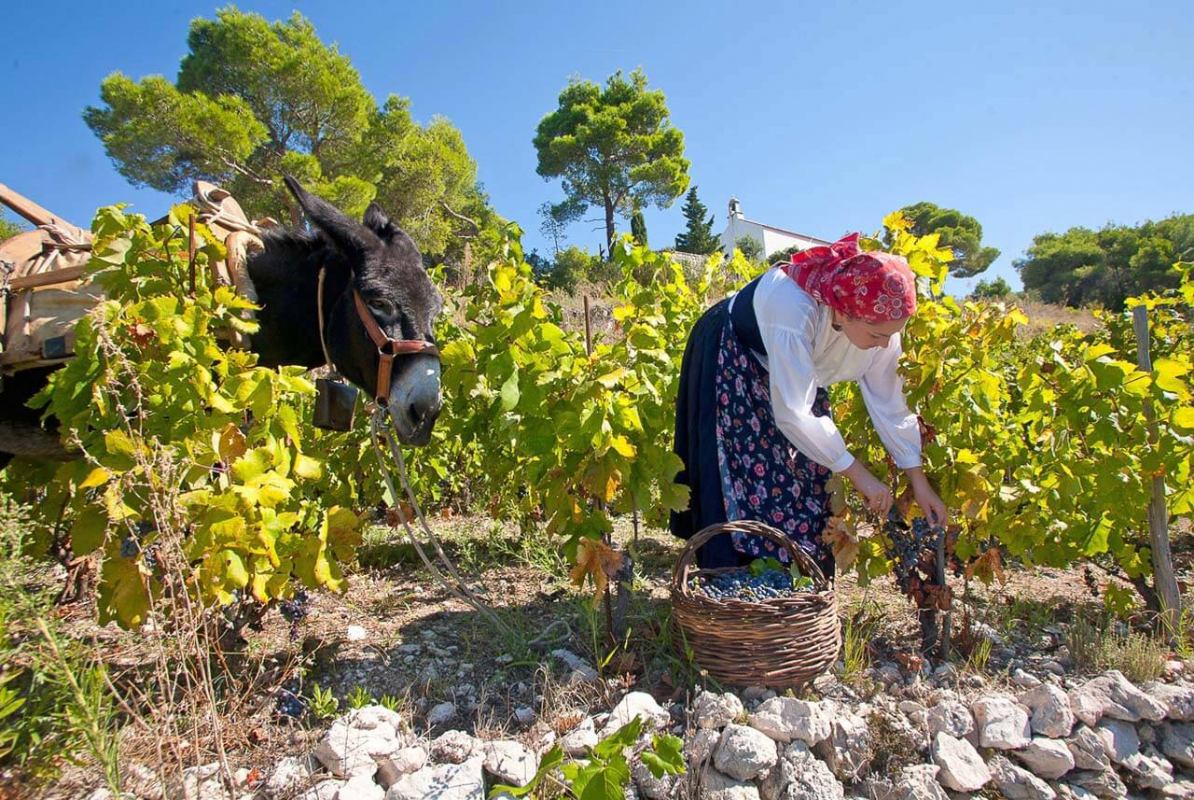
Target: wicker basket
779,642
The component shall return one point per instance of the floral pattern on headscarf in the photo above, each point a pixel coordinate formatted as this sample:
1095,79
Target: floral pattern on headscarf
871,286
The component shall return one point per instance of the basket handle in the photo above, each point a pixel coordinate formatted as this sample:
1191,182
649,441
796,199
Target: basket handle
752,527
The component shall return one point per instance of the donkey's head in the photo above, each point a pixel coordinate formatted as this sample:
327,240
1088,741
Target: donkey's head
379,306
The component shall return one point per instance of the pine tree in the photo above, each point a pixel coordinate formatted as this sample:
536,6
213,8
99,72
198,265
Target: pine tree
698,237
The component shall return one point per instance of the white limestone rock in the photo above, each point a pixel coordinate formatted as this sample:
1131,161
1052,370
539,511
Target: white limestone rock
962,769
786,719
1001,723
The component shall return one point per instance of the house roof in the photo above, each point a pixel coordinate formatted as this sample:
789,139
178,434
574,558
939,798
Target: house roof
785,230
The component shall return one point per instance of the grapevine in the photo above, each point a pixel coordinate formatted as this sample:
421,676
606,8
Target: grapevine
1039,444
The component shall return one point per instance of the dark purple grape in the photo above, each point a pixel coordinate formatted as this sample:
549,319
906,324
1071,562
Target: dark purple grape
129,547
291,705
742,585
295,610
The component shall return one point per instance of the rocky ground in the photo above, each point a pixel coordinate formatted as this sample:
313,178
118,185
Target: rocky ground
1016,713
923,735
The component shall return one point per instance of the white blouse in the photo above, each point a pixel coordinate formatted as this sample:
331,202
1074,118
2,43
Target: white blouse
805,353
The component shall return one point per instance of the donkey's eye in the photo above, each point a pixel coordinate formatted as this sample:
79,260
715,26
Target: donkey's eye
382,307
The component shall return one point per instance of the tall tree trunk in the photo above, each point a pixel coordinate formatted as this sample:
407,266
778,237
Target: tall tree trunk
609,225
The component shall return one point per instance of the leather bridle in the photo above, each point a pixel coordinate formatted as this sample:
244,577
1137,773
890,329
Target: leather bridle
387,348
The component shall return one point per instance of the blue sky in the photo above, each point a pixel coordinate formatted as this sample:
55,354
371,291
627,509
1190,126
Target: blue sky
820,117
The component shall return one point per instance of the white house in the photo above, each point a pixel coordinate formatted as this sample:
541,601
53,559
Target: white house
769,238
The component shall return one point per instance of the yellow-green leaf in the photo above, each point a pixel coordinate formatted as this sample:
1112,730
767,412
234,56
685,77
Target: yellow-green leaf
234,569
97,477
308,468
622,446
87,532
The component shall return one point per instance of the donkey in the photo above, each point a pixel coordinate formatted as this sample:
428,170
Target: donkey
376,326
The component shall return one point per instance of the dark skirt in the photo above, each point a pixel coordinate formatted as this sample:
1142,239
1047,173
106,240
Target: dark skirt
737,464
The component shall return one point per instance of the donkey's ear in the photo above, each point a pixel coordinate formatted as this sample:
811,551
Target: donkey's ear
377,221
348,235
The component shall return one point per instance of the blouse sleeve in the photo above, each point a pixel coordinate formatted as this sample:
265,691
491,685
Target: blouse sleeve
793,390
883,392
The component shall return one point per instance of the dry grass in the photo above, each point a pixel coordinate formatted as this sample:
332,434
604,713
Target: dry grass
1095,646
1043,317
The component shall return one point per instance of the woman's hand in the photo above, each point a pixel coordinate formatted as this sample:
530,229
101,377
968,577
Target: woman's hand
878,496
927,498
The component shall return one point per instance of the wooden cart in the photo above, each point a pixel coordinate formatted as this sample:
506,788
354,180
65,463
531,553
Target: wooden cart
44,289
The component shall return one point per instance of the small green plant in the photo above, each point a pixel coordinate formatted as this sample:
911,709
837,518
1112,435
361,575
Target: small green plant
1139,656
90,710
55,707
324,704
358,698
10,703
1184,634
605,774
1084,640
979,657
859,630
1024,614
390,701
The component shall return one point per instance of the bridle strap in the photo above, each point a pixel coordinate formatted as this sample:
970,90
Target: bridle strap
387,348
319,305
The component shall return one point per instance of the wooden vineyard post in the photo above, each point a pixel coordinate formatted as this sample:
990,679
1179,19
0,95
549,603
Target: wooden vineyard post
623,579
588,330
191,252
1164,580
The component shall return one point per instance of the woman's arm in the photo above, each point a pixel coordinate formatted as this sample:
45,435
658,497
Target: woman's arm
883,392
793,390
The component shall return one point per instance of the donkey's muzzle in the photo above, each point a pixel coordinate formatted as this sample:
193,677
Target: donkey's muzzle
415,401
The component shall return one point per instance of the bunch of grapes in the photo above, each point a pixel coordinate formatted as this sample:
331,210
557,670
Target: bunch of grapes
129,547
150,558
133,545
295,610
914,560
911,548
742,585
291,705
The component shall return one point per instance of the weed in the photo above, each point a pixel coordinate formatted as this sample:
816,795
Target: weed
359,697
859,629
324,705
1184,634
1084,640
1139,656
892,746
50,709
1095,646
979,657
1026,614
90,712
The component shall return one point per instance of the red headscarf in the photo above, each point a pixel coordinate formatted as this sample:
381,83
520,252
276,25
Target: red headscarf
875,286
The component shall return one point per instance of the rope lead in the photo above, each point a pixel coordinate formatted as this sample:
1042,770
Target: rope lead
378,429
